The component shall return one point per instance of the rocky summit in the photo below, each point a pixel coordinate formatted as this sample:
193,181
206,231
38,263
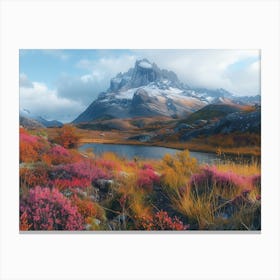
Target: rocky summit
146,91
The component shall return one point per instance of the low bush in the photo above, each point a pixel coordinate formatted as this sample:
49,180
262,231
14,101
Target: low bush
45,209
161,221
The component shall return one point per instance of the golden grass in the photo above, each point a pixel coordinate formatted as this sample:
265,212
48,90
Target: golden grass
224,144
245,169
198,209
203,208
175,171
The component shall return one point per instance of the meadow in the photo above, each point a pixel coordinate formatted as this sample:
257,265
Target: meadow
63,189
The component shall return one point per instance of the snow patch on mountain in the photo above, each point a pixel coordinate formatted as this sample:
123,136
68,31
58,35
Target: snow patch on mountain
147,90
145,64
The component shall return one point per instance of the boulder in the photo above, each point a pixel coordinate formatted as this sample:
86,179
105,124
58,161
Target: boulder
103,184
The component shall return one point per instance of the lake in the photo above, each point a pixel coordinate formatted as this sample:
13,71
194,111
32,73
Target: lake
145,152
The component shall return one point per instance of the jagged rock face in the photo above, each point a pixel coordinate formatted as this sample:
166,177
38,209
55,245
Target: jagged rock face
144,90
142,104
99,109
142,74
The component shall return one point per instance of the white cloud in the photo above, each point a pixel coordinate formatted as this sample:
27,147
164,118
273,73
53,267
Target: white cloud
82,89
208,68
24,81
87,87
236,71
245,81
42,101
197,68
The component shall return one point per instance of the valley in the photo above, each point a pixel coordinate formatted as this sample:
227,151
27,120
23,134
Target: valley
148,153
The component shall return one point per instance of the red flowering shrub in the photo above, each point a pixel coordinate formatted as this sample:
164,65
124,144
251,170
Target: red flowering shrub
147,178
256,181
67,137
79,174
32,177
31,147
49,210
86,169
88,208
210,176
63,184
147,166
59,155
24,222
161,221
46,158
28,138
132,164
109,166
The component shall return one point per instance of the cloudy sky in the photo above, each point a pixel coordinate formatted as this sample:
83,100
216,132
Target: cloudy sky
60,84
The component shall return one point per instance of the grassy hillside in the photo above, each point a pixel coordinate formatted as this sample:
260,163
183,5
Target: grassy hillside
212,111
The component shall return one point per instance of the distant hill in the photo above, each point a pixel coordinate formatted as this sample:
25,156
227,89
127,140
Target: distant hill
52,123
27,117
29,123
235,122
212,111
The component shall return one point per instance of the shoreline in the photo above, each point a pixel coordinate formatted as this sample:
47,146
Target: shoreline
177,146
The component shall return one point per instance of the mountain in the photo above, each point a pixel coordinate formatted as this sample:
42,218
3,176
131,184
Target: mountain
46,123
144,90
211,95
212,111
28,119
148,91
248,100
241,122
29,123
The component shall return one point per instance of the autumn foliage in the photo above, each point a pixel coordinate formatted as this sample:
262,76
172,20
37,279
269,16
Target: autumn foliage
62,189
161,221
67,137
46,209
31,146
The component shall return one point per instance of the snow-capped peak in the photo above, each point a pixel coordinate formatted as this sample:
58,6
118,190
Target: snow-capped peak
143,74
145,64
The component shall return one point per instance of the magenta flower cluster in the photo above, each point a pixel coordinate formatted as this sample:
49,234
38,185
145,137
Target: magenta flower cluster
210,175
28,138
59,151
147,178
48,209
79,174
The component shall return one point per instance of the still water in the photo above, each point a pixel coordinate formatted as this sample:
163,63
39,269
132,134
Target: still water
145,152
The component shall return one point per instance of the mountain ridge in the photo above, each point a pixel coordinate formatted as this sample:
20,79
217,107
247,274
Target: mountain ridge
147,90
26,118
